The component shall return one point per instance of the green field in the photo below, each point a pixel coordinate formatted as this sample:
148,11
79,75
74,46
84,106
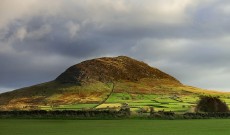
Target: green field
137,101
114,127
158,102
181,103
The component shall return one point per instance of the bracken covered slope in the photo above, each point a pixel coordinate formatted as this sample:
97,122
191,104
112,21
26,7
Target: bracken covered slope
109,69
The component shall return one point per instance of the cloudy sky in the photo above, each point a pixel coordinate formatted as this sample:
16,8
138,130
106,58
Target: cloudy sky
189,39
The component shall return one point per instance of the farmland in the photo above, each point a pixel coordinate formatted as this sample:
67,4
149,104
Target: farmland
107,83
160,102
114,127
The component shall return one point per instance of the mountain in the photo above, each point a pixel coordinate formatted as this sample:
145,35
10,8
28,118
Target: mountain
111,70
95,82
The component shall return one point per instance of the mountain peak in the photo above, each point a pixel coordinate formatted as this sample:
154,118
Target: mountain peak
109,69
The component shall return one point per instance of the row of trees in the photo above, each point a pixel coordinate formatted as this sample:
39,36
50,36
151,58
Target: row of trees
66,114
109,114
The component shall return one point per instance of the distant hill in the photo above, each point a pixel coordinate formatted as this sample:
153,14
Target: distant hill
95,81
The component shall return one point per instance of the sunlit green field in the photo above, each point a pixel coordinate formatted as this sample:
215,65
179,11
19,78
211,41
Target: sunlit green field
158,102
114,127
182,103
137,101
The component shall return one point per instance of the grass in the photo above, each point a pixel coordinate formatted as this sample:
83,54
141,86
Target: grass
112,105
158,102
114,127
69,107
54,93
184,103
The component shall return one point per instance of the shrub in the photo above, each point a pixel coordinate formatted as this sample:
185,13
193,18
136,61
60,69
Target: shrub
211,104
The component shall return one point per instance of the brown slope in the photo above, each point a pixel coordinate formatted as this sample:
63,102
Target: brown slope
110,69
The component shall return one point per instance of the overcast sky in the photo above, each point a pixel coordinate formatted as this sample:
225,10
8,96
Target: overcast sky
189,39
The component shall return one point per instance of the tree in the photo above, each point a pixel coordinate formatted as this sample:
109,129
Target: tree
211,104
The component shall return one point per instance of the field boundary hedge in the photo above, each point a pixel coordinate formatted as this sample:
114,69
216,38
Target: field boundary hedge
108,114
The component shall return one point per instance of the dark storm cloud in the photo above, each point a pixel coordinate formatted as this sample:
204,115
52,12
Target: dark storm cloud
186,38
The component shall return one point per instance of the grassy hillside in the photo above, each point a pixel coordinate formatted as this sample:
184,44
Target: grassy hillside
54,94
138,95
107,83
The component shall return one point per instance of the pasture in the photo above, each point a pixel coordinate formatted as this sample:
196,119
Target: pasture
114,127
182,103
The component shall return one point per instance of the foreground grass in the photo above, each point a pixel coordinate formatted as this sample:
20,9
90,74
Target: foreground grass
114,127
